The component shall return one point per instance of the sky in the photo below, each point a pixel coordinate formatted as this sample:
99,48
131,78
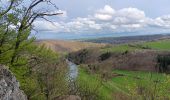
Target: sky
105,18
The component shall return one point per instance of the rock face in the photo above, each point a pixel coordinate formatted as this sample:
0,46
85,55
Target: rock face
9,86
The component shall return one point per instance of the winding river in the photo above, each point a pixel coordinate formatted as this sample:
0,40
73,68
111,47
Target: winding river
73,70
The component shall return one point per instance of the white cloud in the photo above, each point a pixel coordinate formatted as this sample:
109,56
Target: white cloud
132,13
105,14
163,21
132,26
47,26
107,19
131,18
107,10
103,17
82,24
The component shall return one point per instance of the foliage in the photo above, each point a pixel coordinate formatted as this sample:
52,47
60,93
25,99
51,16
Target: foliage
40,71
104,56
79,57
163,63
44,76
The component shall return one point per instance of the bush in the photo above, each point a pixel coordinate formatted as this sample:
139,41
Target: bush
105,56
79,57
163,61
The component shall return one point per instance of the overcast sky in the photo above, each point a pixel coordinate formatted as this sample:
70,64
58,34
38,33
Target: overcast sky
85,18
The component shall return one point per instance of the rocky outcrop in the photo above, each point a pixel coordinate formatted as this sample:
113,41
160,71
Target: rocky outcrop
9,86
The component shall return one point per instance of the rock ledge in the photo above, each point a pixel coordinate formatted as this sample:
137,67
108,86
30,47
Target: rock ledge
9,86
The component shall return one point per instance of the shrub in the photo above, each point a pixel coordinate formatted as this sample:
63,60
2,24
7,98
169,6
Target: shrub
163,61
105,56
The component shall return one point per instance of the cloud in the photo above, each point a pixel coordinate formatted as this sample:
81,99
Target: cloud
131,13
82,24
105,14
123,19
163,21
107,19
107,10
47,26
103,17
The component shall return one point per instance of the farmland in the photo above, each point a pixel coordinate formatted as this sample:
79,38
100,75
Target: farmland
127,82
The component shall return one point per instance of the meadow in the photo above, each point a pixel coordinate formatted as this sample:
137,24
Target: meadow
154,45
159,45
127,84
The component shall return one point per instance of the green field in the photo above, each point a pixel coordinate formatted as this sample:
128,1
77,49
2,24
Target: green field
130,76
156,45
159,45
94,82
128,81
125,84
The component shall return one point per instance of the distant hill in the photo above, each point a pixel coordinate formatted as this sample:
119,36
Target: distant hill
129,39
67,46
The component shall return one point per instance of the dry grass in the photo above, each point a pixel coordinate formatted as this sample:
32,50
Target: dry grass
67,46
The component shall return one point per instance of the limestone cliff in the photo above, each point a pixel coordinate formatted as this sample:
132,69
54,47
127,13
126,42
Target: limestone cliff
9,86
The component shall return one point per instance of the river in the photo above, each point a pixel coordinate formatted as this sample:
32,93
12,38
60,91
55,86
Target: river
73,70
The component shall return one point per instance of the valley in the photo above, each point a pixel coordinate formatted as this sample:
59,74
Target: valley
125,70
84,50
119,70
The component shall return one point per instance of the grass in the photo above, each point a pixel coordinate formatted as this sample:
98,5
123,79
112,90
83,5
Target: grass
159,45
118,48
125,84
141,74
104,89
149,80
129,80
130,76
156,45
